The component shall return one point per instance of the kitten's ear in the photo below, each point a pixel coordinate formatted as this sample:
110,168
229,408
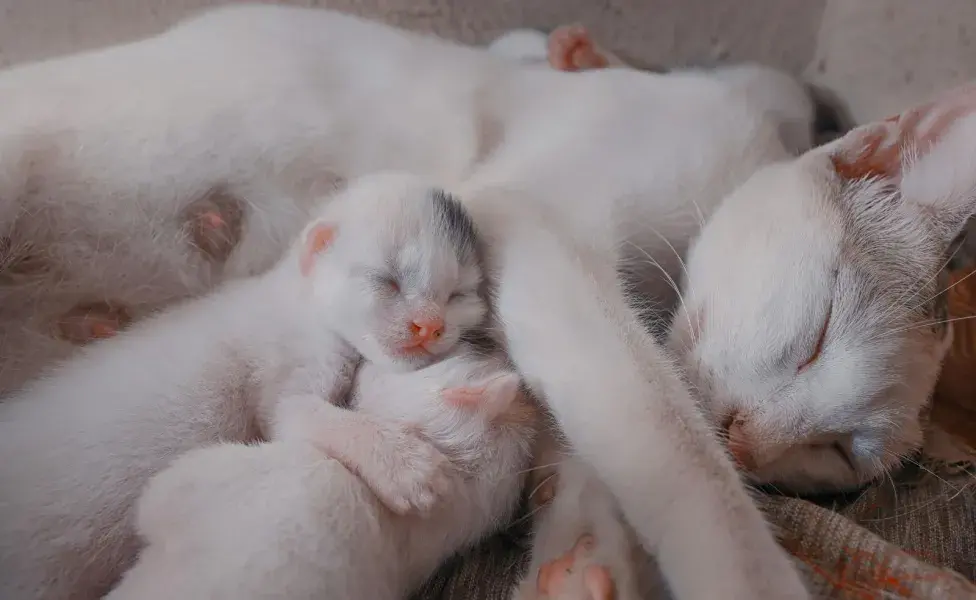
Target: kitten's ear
492,397
928,154
316,240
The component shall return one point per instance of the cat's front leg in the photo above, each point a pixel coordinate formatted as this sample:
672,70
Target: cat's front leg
627,412
405,471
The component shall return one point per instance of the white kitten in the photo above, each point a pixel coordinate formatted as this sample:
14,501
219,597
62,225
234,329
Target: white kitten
389,270
280,520
572,178
820,358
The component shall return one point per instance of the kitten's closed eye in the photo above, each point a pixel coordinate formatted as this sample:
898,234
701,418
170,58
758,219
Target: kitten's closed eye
818,349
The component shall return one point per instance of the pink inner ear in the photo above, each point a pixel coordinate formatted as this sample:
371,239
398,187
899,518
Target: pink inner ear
463,397
318,239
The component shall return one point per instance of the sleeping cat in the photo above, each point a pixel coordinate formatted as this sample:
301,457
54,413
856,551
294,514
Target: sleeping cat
834,365
281,520
121,157
388,270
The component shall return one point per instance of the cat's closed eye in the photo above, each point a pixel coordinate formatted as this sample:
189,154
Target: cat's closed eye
818,348
457,295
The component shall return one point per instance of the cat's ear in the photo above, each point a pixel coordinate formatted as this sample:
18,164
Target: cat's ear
317,238
927,154
492,397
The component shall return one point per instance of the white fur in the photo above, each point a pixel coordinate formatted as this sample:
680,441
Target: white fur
261,358
567,176
526,46
280,520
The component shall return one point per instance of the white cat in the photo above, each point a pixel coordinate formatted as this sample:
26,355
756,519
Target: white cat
388,270
570,177
280,520
822,379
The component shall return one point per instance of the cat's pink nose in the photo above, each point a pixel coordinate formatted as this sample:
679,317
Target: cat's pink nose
426,330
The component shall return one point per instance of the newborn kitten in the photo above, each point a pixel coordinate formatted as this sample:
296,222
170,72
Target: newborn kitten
389,270
280,520
818,361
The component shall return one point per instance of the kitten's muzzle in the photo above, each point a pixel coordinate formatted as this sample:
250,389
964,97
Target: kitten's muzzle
424,331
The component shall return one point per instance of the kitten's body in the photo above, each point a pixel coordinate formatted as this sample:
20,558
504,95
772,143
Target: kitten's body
281,520
571,177
261,358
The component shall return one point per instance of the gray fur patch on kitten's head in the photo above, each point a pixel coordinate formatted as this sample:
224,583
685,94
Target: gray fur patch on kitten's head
455,222
812,325
404,254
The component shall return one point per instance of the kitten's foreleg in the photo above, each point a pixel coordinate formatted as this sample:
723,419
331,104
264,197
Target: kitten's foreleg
626,411
405,471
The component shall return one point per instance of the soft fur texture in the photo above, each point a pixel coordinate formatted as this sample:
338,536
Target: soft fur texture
280,520
572,178
263,358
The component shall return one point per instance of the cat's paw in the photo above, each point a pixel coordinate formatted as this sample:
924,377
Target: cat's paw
571,48
406,472
575,575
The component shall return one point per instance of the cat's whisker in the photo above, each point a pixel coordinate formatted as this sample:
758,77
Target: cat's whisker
669,279
540,467
921,325
902,300
946,290
546,480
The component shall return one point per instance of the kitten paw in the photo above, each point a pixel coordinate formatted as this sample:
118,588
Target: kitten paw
572,49
407,473
574,575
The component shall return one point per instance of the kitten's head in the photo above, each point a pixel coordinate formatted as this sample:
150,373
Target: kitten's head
810,324
465,404
396,264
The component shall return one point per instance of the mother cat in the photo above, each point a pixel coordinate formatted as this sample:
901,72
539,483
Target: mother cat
567,174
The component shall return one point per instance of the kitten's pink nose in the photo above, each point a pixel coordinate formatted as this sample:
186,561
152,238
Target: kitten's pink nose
426,330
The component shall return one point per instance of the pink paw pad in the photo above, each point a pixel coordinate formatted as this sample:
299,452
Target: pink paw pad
572,49
569,576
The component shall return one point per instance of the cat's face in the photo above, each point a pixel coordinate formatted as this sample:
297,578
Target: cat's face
406,277
810,325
